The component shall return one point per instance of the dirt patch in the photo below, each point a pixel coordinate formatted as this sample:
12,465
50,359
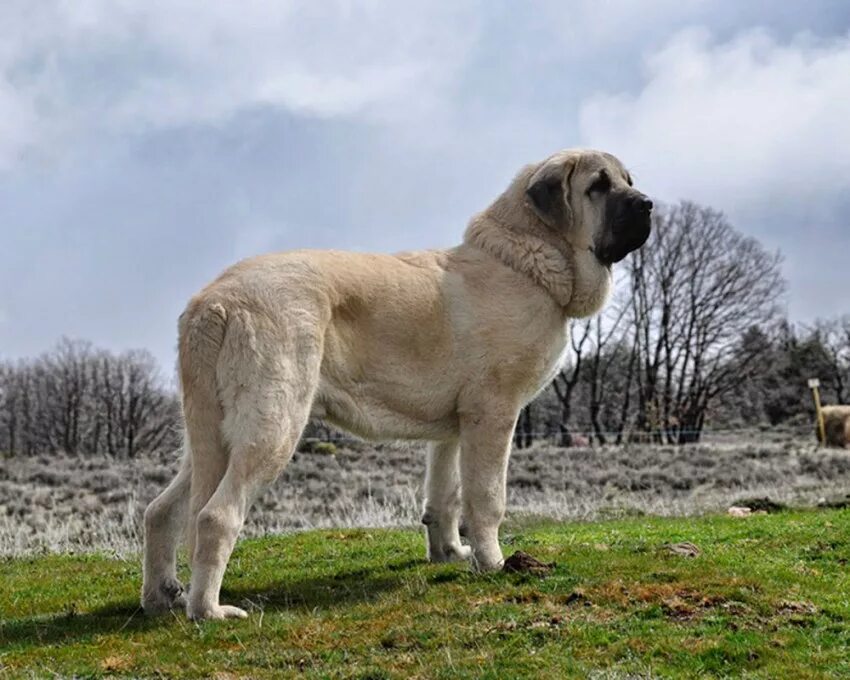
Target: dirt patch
523,563
684,549
796,607
677,600
116,663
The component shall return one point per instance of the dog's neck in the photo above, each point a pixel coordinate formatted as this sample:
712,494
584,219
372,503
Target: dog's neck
524,253
510,231
529,249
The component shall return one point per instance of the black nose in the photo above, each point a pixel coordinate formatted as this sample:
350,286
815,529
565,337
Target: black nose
642,204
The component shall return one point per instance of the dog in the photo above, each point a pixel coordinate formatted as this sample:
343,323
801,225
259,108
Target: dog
440,345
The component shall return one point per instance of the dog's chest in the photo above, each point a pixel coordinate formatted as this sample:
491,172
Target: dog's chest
552,358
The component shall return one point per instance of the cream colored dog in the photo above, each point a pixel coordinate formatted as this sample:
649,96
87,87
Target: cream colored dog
445,346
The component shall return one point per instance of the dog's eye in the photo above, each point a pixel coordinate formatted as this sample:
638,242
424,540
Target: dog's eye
600,185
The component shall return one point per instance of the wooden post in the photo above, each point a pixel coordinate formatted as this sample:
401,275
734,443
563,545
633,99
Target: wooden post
814,384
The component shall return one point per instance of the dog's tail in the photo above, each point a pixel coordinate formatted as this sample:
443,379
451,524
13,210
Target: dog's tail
201,333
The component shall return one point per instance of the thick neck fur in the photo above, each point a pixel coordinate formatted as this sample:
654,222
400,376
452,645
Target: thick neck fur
510,231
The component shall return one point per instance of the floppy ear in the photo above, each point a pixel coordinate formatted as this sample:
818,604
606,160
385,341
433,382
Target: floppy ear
548,192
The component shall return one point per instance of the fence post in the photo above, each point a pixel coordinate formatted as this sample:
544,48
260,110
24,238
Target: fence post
814,384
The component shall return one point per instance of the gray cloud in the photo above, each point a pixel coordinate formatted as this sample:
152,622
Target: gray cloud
143,147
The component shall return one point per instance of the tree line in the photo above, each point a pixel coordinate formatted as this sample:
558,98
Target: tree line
695,334
81,400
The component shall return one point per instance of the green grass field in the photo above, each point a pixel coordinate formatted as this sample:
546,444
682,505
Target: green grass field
768,597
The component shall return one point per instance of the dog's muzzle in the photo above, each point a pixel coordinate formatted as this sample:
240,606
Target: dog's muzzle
629,225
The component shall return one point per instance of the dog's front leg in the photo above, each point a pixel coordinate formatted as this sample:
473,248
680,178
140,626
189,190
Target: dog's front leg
485,447
442,503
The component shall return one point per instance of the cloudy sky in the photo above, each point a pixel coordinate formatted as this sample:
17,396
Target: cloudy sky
146,145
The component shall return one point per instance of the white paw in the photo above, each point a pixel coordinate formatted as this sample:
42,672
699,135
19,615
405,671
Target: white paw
484,562
460,553
455,553
484,567
167,595
216,613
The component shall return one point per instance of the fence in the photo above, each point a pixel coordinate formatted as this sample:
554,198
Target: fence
704,436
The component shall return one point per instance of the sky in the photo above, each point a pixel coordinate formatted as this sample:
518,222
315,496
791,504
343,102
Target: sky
145,146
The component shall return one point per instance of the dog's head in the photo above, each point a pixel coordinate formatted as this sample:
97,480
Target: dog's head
588,198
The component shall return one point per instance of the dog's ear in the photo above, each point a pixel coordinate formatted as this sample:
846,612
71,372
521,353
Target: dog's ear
548,192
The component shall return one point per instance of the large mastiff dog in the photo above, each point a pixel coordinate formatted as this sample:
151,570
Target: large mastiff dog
441,345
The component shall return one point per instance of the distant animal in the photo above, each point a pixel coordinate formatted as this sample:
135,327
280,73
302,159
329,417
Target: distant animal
836,421
439,345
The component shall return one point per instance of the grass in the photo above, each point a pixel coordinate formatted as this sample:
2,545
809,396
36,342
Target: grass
768,597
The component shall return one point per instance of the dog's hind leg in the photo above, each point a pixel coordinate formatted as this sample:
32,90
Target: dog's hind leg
254,464
267,397
442,503
165,521
207,472
252,468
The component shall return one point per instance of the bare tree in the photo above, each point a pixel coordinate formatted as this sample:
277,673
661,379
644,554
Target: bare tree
524,431
608,353
67,391
8,408
697,287
567,380
149,412
833,336
80,401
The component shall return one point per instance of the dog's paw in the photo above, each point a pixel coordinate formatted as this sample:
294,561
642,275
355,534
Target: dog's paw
459,553
216,613
168,594
452,553
486,567
483,562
